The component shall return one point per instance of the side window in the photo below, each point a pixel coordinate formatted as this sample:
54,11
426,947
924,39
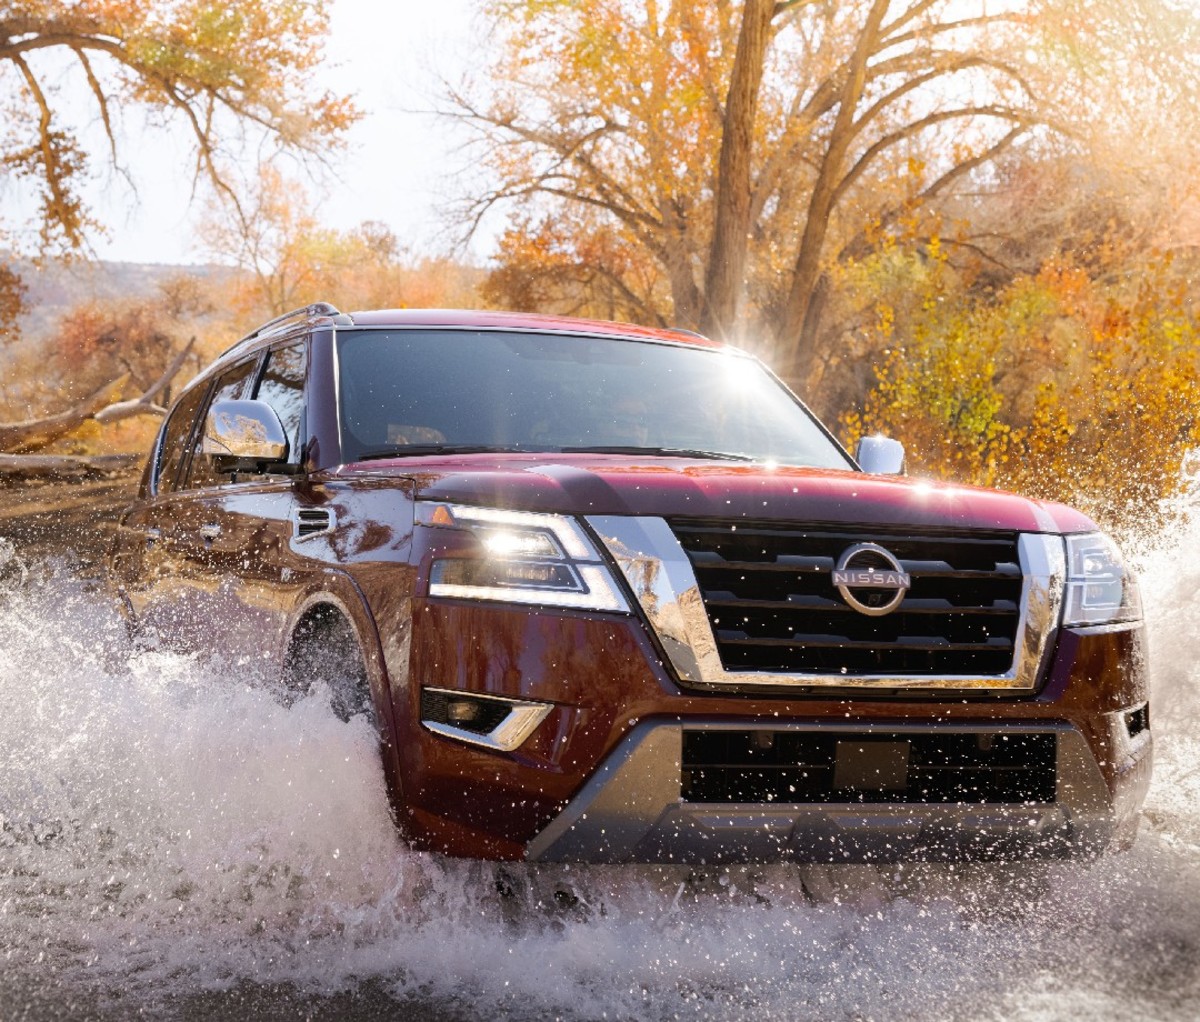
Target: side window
282,387
176,437
230,386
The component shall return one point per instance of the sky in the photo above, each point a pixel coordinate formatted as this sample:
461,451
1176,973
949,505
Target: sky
399,165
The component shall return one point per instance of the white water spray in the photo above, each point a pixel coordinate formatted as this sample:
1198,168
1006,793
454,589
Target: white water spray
169,831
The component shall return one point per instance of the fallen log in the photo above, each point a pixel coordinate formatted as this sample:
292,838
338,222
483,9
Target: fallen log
37,434
66,466
34,434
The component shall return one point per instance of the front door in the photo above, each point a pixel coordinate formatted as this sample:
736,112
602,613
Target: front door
235,549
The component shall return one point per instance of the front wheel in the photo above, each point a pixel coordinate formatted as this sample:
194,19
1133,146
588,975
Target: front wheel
324,649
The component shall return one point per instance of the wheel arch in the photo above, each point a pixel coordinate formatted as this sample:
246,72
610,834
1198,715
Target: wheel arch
337,593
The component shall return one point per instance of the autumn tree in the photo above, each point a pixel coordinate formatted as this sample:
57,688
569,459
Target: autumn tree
1062,385
288,258
271,242
231,75
98,352
750,149
12,302
100,340
221,70
577,264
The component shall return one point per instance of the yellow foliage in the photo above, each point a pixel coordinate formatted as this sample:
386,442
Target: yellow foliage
1059,386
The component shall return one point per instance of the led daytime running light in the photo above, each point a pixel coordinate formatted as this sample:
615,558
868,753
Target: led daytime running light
525,553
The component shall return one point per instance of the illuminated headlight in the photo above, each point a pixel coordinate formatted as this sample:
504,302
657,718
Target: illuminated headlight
526,557
1100,589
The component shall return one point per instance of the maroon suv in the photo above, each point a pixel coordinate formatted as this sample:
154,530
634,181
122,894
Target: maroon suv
613,595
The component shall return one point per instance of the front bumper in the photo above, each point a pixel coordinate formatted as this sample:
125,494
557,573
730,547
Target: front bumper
601,777
633,810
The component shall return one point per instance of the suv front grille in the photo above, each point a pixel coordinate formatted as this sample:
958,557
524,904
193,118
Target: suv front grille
748,767
769,595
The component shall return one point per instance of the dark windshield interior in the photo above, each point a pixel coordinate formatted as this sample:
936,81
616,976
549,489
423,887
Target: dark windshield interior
412,391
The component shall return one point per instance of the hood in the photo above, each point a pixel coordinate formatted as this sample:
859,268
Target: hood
688,488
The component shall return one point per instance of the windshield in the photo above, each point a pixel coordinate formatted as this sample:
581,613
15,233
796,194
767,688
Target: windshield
408,392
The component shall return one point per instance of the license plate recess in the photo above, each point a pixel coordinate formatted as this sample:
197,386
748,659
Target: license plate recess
863,764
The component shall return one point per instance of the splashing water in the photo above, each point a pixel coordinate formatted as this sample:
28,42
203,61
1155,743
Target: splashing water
175,842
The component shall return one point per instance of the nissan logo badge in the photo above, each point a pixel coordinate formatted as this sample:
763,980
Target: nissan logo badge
870,579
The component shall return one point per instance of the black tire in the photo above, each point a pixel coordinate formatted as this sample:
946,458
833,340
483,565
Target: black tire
324,648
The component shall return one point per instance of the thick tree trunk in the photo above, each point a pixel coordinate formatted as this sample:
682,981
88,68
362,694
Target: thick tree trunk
725,275
686,300
795,326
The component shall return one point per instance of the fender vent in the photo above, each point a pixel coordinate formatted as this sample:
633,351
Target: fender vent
310,521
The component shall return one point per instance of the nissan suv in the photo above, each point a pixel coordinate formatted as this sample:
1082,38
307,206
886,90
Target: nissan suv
612,594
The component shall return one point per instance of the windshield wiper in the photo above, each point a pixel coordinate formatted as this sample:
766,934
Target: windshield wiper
658,452
416,450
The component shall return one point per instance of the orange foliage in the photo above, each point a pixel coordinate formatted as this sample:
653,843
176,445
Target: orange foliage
12,302
290,259
99,341
1060,386
554,265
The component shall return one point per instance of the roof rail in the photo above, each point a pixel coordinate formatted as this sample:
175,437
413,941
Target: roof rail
301,315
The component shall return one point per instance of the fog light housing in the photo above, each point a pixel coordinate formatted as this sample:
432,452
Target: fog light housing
462,711
490,721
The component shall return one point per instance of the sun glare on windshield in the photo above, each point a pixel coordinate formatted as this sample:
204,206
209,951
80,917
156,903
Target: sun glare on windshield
408,392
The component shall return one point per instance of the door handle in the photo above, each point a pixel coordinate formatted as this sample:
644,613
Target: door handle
209,532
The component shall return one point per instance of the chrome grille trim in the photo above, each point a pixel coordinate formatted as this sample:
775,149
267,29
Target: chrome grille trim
662,579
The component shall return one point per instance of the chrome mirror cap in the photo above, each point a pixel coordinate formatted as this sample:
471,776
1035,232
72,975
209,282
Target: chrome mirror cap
246,430
880,455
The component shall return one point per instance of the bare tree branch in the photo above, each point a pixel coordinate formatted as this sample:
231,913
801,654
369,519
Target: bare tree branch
144,405
101,99
916,127
258,76
50,158
804,115
857,247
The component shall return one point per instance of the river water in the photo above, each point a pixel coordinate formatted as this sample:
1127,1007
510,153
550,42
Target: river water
176,844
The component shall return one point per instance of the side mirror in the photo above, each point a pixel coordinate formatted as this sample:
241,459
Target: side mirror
880,455
244,436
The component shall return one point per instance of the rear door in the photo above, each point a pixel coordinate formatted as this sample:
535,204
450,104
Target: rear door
143,559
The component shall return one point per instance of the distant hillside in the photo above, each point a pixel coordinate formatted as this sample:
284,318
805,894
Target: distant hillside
57,287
